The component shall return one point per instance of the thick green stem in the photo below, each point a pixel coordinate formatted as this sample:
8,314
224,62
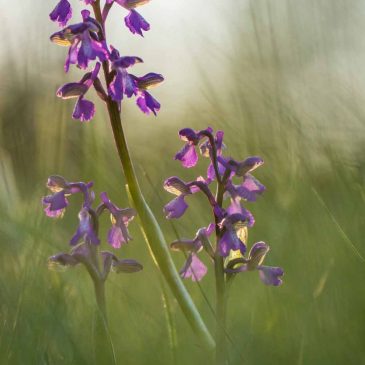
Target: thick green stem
171,328
104,351
153,233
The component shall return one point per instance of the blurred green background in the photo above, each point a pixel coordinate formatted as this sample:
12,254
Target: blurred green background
285,80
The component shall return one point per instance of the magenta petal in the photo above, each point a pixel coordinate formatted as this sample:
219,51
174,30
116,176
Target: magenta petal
187,155
61,13
193,268
250,188
176,208
271,275
136,23
115,237
53,213
84,110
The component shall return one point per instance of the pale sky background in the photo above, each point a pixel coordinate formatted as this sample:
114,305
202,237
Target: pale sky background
313,50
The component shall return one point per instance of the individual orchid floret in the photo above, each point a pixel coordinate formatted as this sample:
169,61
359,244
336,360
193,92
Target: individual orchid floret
118,233
146,102
231,237
84,41
55,204
84,109
174,185
194,267
248,190
62,13
187,155
197,243
176,207
85,231
127,84
240,168
136,23
123,83
269,275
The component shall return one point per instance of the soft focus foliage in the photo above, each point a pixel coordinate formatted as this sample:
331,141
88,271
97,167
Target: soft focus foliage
285,81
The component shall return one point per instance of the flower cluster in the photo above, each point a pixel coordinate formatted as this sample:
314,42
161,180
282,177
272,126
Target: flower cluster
87,43
236,185
85,240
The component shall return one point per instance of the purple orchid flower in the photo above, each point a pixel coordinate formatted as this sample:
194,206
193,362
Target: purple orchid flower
187,155
55,204
84,42
240,168
136,23
194,268
127,84
269,275
85,230
197,243
231,237
248,190
123,83
118,233
84,109
174,185
62,13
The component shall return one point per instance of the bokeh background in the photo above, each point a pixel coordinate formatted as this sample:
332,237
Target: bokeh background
285,80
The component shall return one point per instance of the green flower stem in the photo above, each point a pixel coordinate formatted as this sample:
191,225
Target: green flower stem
170,321
153,234
104,351
220,285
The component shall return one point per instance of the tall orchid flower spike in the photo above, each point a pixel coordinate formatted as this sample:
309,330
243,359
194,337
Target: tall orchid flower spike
85,248
87,232
231,222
